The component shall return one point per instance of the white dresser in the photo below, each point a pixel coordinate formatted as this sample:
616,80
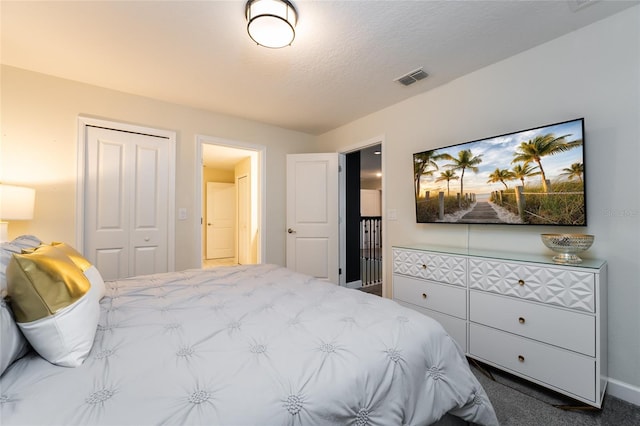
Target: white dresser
521,313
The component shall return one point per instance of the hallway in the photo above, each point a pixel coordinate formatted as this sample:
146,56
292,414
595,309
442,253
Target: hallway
213,263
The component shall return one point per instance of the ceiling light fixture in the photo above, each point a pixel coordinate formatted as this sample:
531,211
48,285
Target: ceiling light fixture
271,23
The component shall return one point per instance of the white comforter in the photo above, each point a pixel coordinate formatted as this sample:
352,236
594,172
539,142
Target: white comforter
249,345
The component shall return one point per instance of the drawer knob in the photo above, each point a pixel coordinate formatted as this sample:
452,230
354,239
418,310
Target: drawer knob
424,266
424,296
521,282
520,358
521,320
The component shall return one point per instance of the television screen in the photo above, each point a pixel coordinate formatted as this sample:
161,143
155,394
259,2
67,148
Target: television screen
533,177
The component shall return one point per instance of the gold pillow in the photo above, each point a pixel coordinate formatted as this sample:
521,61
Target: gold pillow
43,282
71,253
74,255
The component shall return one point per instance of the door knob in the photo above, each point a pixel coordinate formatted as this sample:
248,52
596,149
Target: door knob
208,224
291,231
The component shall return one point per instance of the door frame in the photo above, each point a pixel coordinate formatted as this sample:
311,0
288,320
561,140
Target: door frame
238,213
261,150
86,121
357,147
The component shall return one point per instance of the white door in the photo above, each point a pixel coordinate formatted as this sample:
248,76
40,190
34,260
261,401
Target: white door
126,202
313,245
221,217
244,204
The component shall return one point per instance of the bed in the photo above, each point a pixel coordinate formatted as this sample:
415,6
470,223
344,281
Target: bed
248,345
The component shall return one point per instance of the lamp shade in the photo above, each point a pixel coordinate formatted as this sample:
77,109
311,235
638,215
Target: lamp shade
271,23
16,202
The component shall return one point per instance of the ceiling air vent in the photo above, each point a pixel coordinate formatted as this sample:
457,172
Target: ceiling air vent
412,77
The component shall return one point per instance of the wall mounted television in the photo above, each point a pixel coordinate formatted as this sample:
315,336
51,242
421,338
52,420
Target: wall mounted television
530,177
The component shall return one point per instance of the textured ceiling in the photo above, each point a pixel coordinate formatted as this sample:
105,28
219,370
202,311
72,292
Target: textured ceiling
340,67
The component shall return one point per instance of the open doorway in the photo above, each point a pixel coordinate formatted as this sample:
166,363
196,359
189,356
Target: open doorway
231,202
363,218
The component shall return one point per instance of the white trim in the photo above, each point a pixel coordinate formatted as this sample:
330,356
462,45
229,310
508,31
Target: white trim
342,223
83,123
354,284
363,144
357,147
624,391
262,200
237,233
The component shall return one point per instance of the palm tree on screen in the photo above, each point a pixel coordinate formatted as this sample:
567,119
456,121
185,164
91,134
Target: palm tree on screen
533,150
522,171
447,175
501,175
466,160
422,162
575,171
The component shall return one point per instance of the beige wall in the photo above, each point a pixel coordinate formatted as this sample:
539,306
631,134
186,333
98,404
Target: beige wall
215,175
39,148
370,202
592,73
375,183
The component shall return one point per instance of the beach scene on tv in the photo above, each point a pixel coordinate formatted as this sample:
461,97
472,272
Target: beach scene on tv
533,176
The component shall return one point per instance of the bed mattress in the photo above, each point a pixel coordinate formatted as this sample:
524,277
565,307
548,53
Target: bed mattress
249,345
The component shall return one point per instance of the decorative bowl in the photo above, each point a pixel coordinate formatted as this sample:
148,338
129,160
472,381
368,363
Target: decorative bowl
567,245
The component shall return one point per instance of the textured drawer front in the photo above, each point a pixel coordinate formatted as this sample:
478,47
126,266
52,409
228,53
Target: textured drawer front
455,327
433,266
566,329
442,298
565,370
556,286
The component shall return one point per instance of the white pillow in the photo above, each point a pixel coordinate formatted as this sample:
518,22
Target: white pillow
8,249
97,283
66,338
54,304
13,345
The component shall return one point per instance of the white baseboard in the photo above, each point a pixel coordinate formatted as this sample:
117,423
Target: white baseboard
624,391
354,284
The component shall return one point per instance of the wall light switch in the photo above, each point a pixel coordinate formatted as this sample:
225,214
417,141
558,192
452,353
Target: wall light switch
182,213
392,214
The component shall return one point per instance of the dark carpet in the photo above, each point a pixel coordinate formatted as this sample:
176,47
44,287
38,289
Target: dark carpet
520,403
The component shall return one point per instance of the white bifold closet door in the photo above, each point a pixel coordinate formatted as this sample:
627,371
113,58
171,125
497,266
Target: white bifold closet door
126,202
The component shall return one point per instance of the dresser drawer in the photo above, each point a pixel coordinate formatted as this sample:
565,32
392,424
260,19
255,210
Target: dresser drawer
442,298
433,266
567,371
455,327
556,286
559,327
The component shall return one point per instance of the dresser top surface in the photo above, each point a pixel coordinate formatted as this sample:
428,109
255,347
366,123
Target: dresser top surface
546,259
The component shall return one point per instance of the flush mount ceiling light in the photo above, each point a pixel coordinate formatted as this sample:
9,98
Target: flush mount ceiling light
271,23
